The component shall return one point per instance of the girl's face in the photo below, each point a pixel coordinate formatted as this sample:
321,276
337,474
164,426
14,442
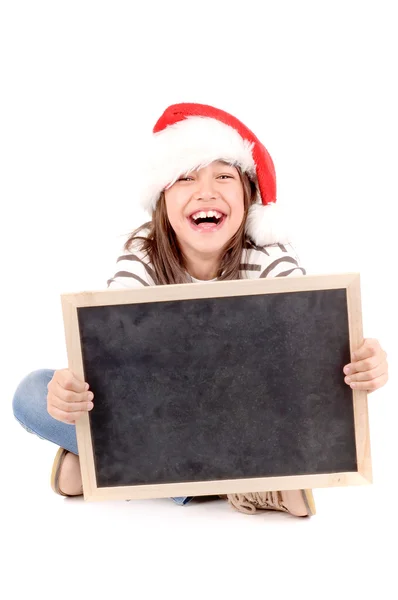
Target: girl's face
206,208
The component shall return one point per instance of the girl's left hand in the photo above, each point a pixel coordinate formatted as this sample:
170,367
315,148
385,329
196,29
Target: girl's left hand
369,368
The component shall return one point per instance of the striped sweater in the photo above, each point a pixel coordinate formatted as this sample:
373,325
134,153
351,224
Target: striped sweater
133,267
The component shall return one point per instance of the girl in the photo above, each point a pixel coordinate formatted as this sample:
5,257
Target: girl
211,190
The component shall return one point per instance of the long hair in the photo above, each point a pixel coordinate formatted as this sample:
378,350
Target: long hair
161,244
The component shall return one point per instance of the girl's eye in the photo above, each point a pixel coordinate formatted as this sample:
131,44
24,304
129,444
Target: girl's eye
191,178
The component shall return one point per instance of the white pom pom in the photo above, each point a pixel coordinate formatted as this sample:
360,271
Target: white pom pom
267,224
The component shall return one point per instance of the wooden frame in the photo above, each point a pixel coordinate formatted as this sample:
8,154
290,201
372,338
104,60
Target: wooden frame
349,281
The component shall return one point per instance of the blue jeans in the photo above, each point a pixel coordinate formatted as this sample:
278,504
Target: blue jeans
30,409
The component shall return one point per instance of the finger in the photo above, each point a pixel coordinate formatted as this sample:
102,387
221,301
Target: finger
370,386
69,396
370,347
70,407
70,382
60,415
366,375
380,382
368,364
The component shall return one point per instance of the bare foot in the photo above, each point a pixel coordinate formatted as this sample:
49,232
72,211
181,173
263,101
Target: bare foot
70,480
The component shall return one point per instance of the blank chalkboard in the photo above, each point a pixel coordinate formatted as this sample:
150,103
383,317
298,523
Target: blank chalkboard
205,388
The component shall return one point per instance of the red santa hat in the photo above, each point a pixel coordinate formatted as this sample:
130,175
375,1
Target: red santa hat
191,136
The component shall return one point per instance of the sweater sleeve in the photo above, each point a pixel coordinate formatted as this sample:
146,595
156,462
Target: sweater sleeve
276,260
132,270
286,262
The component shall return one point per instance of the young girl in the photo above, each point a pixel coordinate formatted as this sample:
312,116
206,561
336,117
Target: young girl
211,190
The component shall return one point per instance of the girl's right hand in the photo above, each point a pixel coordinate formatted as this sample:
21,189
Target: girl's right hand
68,397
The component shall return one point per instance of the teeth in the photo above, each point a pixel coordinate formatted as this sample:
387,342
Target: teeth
210,213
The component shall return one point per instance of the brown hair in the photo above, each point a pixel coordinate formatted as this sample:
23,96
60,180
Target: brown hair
161,244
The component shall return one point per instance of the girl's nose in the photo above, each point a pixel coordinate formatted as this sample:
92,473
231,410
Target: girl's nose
205,190
204,195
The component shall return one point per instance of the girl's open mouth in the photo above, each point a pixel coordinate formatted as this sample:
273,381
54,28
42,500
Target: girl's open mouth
207,221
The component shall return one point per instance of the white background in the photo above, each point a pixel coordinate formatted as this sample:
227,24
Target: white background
82,84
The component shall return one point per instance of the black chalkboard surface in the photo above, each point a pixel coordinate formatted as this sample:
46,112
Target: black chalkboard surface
220,391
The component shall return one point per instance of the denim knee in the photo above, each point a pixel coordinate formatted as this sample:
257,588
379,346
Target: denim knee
30,398
30,409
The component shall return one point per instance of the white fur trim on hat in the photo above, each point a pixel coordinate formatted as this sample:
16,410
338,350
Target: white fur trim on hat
267,225
190,144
